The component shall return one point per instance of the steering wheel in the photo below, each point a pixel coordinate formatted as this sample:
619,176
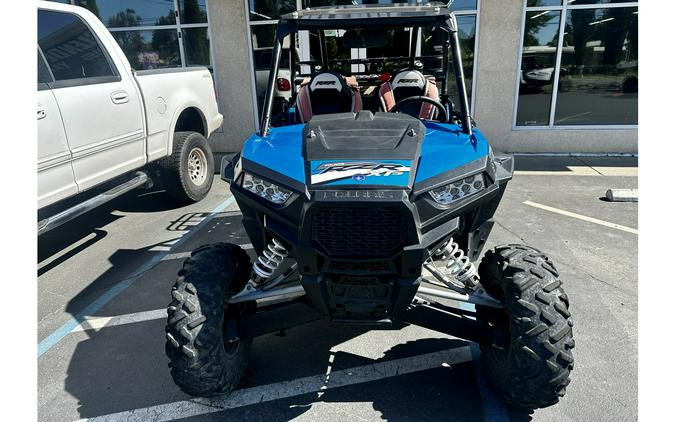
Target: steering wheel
442,114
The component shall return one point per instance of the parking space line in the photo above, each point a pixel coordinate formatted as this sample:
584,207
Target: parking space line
582,217
286,389
96,323
58,335
184,255
494,410
583,171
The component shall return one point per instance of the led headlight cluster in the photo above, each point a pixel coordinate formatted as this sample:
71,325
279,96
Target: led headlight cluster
459,189
265,189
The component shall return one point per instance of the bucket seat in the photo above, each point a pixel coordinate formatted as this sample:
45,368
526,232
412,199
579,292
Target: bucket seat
328,92
410,83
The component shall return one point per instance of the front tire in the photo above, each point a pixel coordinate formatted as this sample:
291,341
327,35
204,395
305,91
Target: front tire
531,359
188,172
202,362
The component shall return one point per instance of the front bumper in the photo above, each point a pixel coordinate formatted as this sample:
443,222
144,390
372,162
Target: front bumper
376,278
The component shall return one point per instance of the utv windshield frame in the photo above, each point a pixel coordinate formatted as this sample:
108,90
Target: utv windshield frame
395,16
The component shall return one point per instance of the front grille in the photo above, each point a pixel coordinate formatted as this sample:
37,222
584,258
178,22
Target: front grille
359,232
365,266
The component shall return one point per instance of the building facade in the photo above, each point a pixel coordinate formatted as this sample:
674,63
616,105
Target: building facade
544,76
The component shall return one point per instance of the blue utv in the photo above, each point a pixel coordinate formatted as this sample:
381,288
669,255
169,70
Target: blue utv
367,199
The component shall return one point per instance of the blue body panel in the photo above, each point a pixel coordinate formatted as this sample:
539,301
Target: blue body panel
444,148
281,151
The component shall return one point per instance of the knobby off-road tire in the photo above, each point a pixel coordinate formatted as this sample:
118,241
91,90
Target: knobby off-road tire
530,364
201,362
188,172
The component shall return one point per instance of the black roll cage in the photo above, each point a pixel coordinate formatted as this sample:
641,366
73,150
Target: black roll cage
374,17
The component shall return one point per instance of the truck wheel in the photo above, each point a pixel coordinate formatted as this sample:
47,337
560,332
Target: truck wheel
188,171
202,362
530,359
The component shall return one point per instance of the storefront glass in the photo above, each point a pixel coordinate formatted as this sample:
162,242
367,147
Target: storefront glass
587,78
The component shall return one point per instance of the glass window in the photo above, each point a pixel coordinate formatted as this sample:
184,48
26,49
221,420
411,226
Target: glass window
126,13
539,3
537,68
262,37
192,11
270,9
432,44
456,5
578,2
149,49
43,72
599,68
464,5
70,47
196,45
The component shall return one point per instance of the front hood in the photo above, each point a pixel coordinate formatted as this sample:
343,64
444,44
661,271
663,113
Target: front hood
361,151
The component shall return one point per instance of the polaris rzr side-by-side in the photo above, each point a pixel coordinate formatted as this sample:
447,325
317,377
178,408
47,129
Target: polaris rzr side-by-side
367,198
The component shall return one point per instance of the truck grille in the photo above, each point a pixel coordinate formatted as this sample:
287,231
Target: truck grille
359,232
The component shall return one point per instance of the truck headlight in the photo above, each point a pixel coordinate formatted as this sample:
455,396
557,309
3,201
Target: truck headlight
265,189
458,189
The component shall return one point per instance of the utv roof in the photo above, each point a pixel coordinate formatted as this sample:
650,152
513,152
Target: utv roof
366,16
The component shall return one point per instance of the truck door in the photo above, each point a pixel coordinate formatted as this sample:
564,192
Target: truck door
56,180
101,109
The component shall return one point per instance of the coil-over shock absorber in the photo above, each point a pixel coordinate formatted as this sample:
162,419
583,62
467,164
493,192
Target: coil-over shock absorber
458,265
270,260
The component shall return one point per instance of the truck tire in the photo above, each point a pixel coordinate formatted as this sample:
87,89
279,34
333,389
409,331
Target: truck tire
529,362
188,172
202,362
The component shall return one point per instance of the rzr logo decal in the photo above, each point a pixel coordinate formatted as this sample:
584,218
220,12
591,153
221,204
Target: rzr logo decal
331,172
325,82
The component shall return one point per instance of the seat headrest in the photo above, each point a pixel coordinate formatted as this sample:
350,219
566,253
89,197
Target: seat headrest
326,80
409,79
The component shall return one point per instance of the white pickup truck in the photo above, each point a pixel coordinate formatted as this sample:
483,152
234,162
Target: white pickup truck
99,120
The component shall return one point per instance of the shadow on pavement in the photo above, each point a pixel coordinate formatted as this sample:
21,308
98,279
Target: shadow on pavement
92,223
561,164
124,367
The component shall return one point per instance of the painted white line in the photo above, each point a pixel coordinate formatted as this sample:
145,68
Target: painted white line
185,255
61,332
286,389
494,409
582,217
583,171
96,323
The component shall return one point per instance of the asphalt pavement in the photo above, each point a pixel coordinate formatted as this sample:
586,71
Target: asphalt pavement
104,281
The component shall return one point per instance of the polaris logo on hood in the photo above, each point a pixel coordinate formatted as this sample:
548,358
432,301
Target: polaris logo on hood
359,171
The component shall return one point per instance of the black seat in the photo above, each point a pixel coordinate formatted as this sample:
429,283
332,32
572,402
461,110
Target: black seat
410,83
325,93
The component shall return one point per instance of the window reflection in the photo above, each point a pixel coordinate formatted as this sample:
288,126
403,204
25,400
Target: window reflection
192,11
537,68
70,48
266,10
579,2
149,49
539,3
456,4
432,44
196,45
127,13
599,83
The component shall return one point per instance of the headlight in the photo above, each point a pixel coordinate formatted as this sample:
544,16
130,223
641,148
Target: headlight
458,189
265,189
